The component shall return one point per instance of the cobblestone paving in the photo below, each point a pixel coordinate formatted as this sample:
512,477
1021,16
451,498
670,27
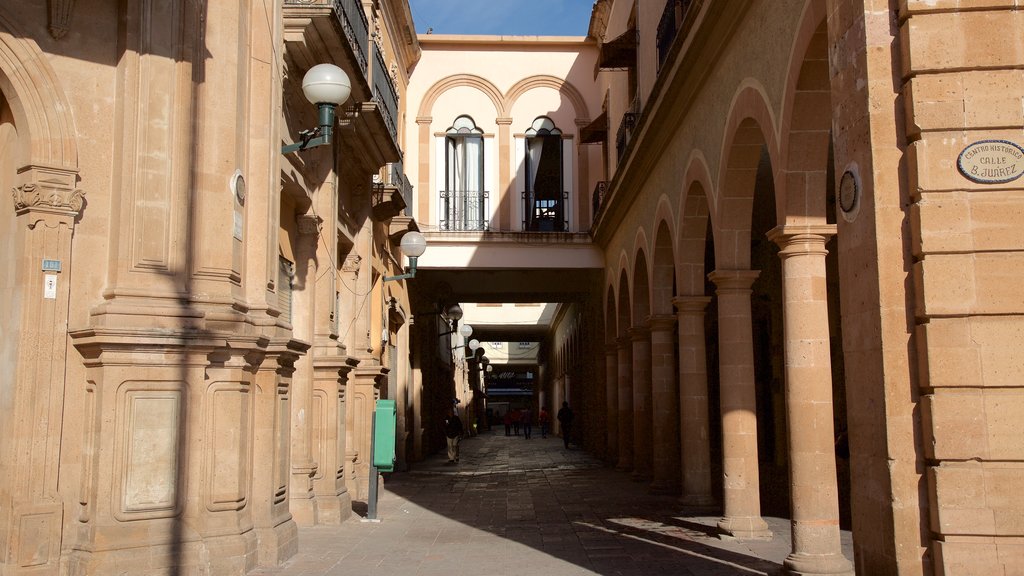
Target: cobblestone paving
525,508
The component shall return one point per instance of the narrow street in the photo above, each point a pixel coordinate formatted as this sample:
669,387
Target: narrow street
528,507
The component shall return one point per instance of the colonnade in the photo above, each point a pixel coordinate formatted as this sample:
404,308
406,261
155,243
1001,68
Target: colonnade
656,394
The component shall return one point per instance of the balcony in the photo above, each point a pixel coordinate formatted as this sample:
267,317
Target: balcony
384,93
336,31
463,211
627,126
392,195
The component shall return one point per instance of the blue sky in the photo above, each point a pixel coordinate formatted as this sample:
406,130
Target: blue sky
506,17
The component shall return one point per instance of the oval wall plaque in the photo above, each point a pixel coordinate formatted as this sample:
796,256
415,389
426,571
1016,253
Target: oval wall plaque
991,162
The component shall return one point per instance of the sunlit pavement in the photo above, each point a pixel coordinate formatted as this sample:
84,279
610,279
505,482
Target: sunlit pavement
527,507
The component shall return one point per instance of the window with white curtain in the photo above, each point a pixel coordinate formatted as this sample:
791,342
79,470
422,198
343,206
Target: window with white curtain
463,202
545,196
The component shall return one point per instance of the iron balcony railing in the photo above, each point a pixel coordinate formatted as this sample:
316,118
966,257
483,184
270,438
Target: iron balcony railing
669,26
384,93
626,127
353,22
395,177
464,211
544,215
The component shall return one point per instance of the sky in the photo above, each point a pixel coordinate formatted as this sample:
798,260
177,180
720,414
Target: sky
503,17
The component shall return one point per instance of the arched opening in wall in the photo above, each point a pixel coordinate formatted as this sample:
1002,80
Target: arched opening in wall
713,365
769,359
464,198
665,387
835,331
641,342
545,197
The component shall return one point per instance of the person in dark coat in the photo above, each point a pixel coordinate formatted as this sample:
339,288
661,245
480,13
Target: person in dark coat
565,417
453,432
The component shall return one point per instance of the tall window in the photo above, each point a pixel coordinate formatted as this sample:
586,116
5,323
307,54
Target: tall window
464,200
545,196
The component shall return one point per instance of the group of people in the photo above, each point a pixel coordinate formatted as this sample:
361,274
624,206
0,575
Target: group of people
514,420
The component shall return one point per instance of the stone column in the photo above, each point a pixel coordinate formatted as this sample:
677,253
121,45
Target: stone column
611,367
361,394
642,437
693,401
742,503
812,474
303,465
665,405
625,378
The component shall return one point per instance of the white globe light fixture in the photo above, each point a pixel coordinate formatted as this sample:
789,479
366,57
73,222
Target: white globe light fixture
465,330
326,86
474,344
455,312
413,245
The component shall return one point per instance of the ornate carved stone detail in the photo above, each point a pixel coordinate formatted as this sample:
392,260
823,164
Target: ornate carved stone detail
60,17
309,224
351,264
39,195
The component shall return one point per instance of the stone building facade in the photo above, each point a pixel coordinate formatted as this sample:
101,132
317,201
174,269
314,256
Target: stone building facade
195,324
809,295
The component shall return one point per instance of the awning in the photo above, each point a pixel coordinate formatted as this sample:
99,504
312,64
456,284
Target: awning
619,53
595,132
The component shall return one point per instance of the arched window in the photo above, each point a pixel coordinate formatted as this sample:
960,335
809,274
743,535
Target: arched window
463,200
545,196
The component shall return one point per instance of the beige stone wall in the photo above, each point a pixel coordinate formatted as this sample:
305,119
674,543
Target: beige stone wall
966,259
160,411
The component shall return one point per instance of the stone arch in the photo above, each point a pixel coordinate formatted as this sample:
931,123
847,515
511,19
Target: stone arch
641,293
544,81
806,125
750,128
694,214
470,80
663,269
622,297
37,100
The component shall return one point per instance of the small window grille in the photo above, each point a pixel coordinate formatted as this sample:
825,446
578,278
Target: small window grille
285,281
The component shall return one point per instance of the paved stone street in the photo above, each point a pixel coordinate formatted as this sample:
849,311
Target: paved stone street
518,507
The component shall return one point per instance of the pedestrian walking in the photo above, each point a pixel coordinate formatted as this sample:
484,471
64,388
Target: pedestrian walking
453,432
565,417
527,421
517,420
508,422
545,422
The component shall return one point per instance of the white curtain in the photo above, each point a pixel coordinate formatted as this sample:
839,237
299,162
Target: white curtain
534,150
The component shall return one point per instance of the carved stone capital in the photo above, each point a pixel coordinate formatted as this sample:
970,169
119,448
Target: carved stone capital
60,17
47,196
309,224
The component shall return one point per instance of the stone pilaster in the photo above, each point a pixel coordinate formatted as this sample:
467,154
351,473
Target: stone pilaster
812,475
642,435
611,367
303,465
505,195
328,420
742,502
362,392
168,430
45,207
276,532
625,379
693,401
664,404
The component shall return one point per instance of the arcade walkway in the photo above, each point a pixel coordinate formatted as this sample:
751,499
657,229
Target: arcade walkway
515,507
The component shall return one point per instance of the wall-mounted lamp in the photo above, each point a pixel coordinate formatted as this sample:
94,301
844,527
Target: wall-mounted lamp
327,86
413,245
473,345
